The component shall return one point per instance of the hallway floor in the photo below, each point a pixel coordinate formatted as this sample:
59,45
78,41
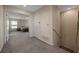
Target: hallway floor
20,42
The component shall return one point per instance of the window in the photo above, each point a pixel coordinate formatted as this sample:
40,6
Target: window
13,24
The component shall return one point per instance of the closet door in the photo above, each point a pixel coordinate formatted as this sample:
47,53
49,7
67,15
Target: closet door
69,28
37,28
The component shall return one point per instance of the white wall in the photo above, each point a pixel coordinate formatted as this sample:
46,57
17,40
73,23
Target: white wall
44,22
56,25
1,28
6,25
42,18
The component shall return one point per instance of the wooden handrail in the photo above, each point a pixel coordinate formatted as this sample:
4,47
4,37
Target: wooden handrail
57,33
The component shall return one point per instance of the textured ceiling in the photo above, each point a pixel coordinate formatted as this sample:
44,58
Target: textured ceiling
65,7
33,8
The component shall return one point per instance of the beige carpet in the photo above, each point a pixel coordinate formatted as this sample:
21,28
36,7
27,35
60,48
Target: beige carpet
20,42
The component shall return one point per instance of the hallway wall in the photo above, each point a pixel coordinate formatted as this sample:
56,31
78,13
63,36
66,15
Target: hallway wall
1,28
42,21
56,21
45,20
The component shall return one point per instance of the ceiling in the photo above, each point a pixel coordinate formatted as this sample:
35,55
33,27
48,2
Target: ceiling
66,7
33,8
30,8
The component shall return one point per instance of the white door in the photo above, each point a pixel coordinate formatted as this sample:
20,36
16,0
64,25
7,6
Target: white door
37,28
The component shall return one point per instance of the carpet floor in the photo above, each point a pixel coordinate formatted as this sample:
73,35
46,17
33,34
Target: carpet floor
20,42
